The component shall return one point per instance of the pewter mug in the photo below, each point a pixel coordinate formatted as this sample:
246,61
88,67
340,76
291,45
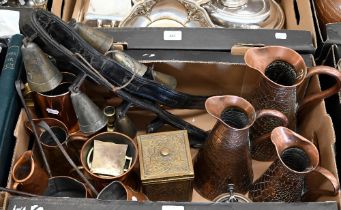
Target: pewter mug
225,157
283,70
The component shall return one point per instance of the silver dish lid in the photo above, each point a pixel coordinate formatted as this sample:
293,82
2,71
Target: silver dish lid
250,14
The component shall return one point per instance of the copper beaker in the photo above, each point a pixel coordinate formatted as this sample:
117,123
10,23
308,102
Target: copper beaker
284,179
57,103
225,157
283,70
28,176
100,181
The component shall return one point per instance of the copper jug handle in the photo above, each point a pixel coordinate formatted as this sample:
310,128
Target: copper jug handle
313,194
269,113
326,93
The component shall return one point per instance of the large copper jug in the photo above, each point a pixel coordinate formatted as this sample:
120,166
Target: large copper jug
284,179
225,157
283,70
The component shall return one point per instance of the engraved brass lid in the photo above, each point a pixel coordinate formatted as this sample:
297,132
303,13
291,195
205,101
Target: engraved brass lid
165,157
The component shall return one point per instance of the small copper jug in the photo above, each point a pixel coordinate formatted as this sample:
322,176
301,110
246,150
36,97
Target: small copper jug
59,165
28,176
225,157
283,70
284,179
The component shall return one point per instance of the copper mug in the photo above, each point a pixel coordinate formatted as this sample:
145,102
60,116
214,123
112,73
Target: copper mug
225,157
28,176
58,163
116,190
57,103
128,177
283,71
296,158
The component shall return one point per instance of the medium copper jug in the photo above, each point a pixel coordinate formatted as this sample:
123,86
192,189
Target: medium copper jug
225,157
283,70
284,179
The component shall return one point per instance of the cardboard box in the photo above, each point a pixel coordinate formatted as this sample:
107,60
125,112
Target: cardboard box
210,79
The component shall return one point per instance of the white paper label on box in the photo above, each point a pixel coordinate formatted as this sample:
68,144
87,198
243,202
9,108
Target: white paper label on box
281,35
172,35
173,208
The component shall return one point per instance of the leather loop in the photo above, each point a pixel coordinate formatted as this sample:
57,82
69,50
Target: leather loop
326,93
269,113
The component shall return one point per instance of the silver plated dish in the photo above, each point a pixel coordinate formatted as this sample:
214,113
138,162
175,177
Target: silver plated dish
167,13
249,14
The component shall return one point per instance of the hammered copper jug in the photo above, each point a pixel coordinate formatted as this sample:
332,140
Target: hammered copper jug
282,70
225,157
284,179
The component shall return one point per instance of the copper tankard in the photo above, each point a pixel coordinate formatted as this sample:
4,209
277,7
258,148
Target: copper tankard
283,71
225,157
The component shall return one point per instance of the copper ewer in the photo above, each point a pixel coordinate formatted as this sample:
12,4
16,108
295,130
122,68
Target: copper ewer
225,157
283,70
284,179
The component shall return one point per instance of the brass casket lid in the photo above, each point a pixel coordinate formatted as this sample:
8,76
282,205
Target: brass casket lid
165,157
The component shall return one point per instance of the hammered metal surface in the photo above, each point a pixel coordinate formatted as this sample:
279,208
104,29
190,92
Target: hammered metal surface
224,159
271,96
277,184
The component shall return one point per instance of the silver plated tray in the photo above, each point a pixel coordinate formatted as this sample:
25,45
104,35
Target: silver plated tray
167,13
250,14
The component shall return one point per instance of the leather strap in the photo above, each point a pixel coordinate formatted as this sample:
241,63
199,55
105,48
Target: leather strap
62,42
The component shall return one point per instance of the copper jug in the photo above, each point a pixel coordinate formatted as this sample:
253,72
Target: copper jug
225,157
284,179
283,70
28,175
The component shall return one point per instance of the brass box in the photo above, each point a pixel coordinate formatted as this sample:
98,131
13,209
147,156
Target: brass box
166,166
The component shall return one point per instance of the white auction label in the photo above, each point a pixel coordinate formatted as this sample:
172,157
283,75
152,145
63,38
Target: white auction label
173,207
281,35
172,35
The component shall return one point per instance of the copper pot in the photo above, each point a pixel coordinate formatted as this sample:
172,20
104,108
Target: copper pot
116,190
57,103
28,176
128,177
283,70
284,179
225,157
328,11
